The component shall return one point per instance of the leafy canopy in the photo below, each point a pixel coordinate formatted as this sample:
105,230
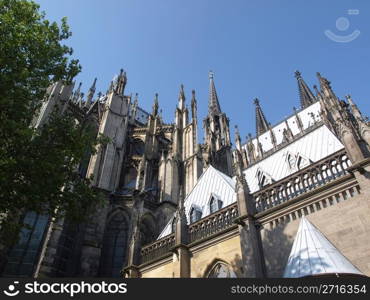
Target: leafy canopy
38,168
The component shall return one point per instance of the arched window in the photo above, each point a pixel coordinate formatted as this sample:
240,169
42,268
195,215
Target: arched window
113,256
195,214
214,204
221,270
23,256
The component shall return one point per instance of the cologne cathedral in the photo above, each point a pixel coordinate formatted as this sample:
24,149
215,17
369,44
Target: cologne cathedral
293,200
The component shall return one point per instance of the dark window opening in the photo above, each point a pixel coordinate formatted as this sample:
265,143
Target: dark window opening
23,257
113,256
195,215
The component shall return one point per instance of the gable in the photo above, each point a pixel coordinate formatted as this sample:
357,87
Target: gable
210,182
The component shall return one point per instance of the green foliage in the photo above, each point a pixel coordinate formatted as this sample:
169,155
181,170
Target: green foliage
38,169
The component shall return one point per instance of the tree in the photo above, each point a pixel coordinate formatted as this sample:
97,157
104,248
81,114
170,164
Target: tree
38,167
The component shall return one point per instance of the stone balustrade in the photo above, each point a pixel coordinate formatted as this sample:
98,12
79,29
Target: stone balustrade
305,180
158,248
213,223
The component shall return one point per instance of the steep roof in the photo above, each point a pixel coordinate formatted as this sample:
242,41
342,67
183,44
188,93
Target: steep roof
210,182
213,104
313,146
313,254
306,116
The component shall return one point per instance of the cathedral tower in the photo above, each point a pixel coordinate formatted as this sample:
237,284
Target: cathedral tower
217,148
104,165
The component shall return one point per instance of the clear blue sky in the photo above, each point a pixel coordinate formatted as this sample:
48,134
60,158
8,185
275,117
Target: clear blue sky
253,47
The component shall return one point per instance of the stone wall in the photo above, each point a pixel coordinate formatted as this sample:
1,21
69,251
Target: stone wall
224,248
162,270
227,250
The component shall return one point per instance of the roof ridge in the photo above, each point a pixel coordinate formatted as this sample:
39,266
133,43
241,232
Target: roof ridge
199,179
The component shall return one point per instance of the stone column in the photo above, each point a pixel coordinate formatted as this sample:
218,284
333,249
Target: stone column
134,255
181,253
250,237
181,261
251,246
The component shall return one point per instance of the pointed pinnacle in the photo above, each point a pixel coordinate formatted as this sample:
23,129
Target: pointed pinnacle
213,104
182,93
261,123
94,83
305,94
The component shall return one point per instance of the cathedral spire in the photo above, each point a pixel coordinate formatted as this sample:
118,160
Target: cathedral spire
155,105
134,107
318,93
136,100
91,93
305,94
261,123
326,88
362,123
181,105
237,139
193,106
121,82
355,111
213,104
77,93
80,99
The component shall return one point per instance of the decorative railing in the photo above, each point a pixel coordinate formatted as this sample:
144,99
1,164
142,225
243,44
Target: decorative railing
158,248
213,223
303,181
208,226
139,130
318,202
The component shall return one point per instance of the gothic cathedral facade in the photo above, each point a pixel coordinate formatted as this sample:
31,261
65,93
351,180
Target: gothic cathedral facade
175,207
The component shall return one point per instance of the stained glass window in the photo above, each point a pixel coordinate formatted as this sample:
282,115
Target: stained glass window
113,255
221,270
